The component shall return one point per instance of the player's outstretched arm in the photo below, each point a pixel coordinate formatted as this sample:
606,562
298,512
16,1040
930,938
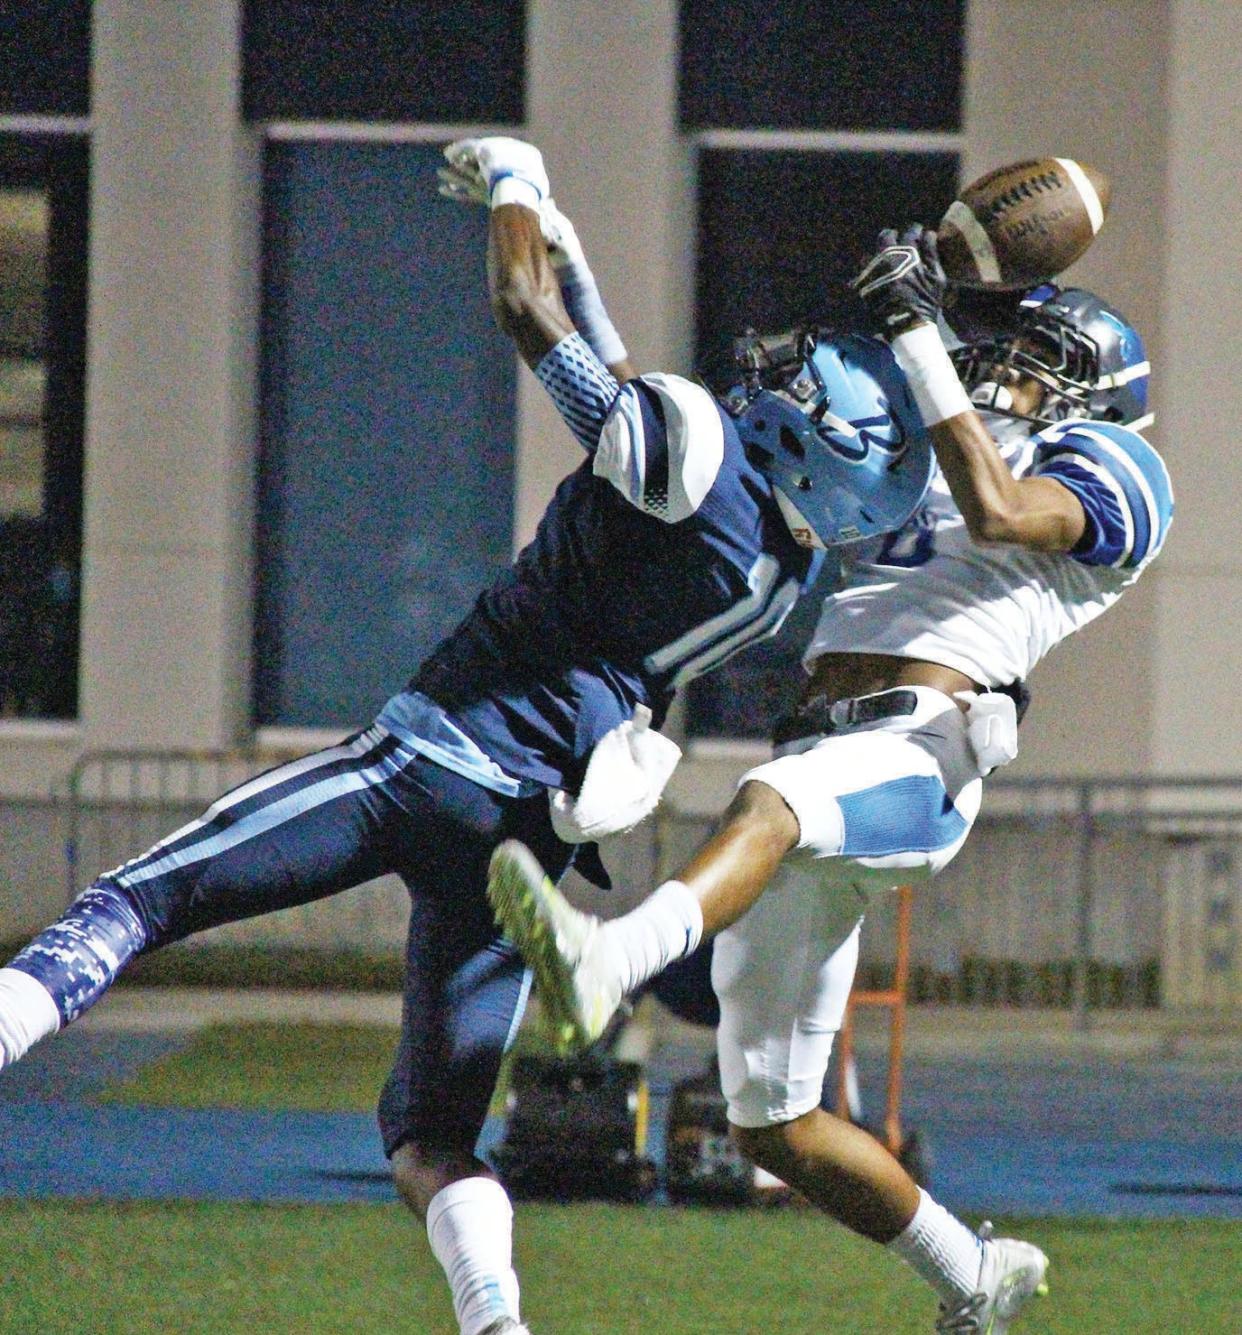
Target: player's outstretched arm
524,289
904,286
581,294
1034,512
525,296
509,175
462,179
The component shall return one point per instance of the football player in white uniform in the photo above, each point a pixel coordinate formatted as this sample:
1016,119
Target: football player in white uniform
1047,505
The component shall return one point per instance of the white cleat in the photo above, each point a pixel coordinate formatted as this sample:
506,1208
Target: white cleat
1011,1275
561,944
507,1326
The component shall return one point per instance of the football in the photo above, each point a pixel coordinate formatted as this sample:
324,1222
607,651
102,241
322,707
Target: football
1022,224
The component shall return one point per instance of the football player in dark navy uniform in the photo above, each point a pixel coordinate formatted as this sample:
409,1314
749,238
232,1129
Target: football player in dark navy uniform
669,549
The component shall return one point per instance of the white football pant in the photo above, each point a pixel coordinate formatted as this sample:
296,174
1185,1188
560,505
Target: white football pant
881,805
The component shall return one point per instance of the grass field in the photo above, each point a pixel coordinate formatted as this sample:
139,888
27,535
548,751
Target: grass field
294,1067
586,1270
590,1269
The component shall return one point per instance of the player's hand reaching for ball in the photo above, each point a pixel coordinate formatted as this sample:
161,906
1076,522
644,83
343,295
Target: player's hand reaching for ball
463,180
496,170
903,284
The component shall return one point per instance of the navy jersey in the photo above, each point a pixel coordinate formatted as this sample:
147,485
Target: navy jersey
661,556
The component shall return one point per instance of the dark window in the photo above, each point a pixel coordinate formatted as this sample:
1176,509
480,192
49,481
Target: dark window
43,222
384,60
386,481
868,65
780,234
45,58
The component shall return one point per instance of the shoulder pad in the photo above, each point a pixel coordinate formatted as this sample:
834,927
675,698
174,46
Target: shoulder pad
662,445
1123,465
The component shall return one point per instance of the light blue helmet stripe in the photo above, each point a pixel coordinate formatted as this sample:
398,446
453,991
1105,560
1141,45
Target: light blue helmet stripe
842,440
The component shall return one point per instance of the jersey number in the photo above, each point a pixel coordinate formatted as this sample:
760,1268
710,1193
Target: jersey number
756,617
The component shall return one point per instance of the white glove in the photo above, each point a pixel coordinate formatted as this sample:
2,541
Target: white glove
511,171
464,180
466,185
628,770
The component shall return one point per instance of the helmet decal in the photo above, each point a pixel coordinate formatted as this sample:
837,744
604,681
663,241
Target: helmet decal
834,426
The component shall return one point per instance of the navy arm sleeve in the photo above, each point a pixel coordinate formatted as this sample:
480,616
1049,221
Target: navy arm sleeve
581,386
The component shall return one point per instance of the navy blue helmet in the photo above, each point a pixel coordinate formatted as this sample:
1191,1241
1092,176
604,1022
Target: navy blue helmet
1084,351
832,423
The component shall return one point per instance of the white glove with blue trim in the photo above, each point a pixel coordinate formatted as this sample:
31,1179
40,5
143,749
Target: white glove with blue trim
466,180
497,170
463,181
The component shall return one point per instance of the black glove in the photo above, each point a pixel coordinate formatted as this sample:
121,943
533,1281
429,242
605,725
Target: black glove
903,284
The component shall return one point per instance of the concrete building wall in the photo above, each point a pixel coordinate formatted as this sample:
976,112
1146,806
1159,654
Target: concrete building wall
1087,81
1150,91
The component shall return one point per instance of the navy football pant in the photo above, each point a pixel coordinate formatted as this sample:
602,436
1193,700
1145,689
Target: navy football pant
342,816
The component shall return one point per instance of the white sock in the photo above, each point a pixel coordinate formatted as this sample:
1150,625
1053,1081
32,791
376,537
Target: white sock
665,926
27,1014
940,1248
470,1227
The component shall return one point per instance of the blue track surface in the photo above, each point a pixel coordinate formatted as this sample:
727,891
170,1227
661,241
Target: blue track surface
1106,1138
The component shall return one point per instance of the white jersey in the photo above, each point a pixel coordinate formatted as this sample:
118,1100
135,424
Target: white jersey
992,611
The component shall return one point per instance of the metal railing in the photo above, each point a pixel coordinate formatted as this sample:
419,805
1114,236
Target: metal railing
117,803
1086,894
1075,893
120,802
